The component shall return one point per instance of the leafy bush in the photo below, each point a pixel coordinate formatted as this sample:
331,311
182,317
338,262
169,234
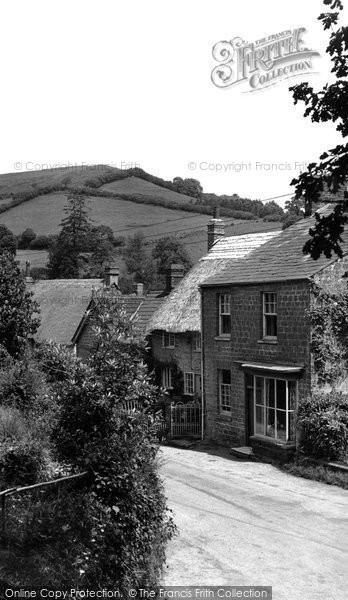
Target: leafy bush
41,242
323,423
242,214
12,425
21,383
95,432
25,238
22,462
274,218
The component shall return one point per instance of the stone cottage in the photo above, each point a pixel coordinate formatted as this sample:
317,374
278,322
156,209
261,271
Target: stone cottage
256,336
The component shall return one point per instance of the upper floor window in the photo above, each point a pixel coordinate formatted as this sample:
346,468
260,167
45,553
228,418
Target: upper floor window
197,342
167,378
168,340
189,386
192,384
224,314
225,390
269,315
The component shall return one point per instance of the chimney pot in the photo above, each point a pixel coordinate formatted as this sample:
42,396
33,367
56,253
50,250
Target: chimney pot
215,229
174,275
111,276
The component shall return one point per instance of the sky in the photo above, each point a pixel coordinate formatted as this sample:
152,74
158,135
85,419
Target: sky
129,83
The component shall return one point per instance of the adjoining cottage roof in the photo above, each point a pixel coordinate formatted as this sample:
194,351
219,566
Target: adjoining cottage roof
181,310
140,308
280,259
62,304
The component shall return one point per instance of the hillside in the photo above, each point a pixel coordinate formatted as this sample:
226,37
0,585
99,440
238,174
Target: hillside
44,214
135,185
128,201
23,181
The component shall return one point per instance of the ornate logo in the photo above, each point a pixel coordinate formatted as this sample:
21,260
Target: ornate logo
263,63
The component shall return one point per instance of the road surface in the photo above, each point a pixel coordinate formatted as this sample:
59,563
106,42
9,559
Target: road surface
248,523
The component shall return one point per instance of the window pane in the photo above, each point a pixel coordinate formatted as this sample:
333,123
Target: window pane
270,425
281,394
271,325
281,425
259,424
225,324
259,390
270,392
226,376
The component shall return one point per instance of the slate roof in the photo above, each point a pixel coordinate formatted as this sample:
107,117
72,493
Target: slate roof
141,308
280,259
62,304
181,310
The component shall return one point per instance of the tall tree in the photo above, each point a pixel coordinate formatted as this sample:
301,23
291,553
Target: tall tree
67,255
138,261
330,173
7,240
190,187
170,250
17,308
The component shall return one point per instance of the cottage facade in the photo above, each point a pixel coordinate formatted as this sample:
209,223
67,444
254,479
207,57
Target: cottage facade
175,329
256,342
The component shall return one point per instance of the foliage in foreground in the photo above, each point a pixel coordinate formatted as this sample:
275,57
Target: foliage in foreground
323,423
111,528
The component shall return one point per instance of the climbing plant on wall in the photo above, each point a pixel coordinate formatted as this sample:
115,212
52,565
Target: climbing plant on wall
329,324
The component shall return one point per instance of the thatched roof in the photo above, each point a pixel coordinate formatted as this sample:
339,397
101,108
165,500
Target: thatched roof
62,304
181,310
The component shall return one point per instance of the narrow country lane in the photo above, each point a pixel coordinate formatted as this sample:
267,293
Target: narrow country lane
248,523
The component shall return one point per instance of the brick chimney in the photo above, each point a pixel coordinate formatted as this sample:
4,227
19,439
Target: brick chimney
139,289
28,278
174,275
111,276
216,229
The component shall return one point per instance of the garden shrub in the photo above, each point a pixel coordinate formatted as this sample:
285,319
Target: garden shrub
94,432
12,425
41,242
22,462
323,423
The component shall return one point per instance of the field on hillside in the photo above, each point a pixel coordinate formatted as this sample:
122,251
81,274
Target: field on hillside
23,181
37,258
135,185
44,214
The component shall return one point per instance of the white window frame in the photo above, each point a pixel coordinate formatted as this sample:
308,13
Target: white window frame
189,383
224,311
168,339
266,303
263,405
167,378
197,343
224,393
